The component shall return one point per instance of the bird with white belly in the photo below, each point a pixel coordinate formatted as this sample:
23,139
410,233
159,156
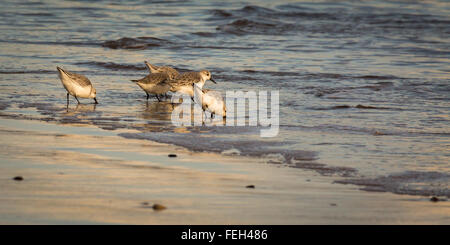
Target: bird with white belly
210,100
77,85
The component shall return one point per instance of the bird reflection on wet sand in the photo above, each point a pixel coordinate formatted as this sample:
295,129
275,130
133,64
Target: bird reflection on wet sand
162,111
79,109
157,110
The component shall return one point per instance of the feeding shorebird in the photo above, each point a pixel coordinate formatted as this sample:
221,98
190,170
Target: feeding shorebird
162,69
210,100
155,83
185,81
77,85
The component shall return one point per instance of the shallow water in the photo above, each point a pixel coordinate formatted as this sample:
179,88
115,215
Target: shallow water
364,87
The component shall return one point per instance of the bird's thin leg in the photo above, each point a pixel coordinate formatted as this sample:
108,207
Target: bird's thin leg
204,118
158,98
77,100
148,96
67,99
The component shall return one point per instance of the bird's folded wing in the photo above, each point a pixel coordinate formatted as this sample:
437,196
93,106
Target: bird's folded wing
79,79
154,78
187,78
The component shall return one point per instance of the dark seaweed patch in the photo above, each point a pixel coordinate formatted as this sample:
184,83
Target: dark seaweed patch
135,43
410,182
246,26
327,170
114,66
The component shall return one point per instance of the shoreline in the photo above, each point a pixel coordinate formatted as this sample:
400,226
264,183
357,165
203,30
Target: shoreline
87,175
431,182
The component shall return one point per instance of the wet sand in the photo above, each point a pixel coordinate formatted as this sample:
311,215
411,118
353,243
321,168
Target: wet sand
78,174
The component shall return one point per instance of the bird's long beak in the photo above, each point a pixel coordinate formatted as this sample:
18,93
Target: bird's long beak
95,99
212,80
61,71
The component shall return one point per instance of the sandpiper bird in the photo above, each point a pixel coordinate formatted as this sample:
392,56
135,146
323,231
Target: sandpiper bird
77,85
184,82
210,100
162,69
155,83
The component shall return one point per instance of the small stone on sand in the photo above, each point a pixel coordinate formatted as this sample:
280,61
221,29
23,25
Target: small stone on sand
333,204
434,199
18,178
172,155
376,133
250,186
158,207
144,203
